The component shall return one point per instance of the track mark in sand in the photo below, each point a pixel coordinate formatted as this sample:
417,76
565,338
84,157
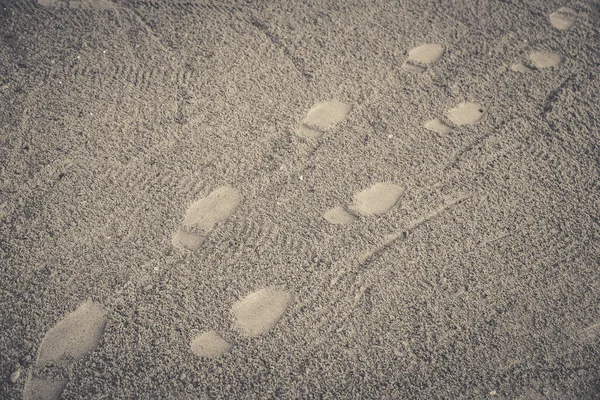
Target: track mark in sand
522,68
259,311
210,345
420,57
539,60
70,340
543,60
82,4
339,216
74,336
322,117
203,215
438,126
563,19
43,389
466,113
367,256
377,199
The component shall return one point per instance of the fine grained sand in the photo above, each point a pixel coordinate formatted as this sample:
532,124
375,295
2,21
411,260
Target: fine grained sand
374,200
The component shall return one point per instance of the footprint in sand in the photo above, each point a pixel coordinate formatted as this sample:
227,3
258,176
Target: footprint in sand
539,60
563,18
69,341
377,199
254,315
322,117
420,57
210,345
84,4
203,215
339,216
466,113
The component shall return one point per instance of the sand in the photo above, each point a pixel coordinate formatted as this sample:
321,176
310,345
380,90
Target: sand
321,199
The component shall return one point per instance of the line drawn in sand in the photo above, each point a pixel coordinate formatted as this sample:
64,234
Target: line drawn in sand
466,113
322,117
379,198
202,217
538,60
70,340
253,316
367,256
422,56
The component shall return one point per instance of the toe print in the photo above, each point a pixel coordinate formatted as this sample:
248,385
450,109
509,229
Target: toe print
322,117
70,340
209,344
202,217
420,57
378,199
258,312
563,18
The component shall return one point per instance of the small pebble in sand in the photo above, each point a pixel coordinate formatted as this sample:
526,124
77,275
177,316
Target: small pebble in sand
493,393
14,377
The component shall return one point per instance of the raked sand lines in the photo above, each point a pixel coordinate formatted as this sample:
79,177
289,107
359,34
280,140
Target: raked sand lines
254,315
323,117
204,215
70,340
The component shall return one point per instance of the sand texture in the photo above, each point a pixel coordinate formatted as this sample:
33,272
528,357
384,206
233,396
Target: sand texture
318,199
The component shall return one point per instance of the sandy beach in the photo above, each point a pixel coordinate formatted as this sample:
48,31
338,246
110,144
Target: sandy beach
299,200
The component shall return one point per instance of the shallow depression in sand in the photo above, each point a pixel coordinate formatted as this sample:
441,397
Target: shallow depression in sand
259,311
76,335
203,215
545,59
324,116
209,344
43,389
426,53
466,113
563,18
339,216
437,126
377,199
